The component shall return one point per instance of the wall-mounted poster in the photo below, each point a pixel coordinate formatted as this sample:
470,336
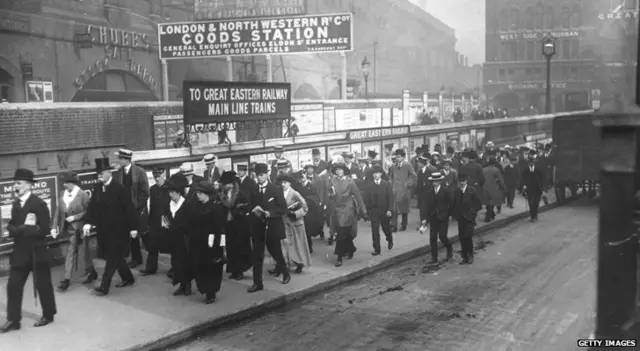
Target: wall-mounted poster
224,164
373,146
45,188
308,117
358,118
292,156
337,150
357,150
397,116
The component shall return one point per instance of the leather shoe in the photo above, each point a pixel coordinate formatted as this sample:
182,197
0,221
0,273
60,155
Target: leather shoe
286,278
9,326
43,321
375,253
211,298
146,272
125,283
91,277
390,245
64,285
255,287
100,291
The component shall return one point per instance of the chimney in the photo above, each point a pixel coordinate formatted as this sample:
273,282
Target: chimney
466,61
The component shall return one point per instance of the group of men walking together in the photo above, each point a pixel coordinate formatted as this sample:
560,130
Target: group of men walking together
230,218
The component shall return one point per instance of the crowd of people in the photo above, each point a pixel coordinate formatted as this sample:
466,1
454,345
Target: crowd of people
228,218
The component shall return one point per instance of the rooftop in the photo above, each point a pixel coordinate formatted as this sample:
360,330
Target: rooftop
423,15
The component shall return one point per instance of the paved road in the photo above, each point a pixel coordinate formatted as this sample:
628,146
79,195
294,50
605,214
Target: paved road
532,288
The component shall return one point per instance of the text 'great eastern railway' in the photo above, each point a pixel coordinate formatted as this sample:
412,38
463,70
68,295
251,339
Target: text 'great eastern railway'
281,35
211,102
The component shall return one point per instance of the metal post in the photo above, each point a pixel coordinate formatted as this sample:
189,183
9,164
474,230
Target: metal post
165,80
229,69
375,67
343,87
366,87
269,69
548,98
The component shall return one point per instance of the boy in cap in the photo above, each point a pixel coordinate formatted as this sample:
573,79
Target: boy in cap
28,227
465,207
136,184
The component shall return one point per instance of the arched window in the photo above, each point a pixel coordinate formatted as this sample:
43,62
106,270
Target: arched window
503,20
539,17
575,20
549,18
514,19
529,18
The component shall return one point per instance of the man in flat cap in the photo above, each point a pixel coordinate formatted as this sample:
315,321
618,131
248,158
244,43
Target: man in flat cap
155,240
211,174
136,184
112,213
319,164
28,227
402,177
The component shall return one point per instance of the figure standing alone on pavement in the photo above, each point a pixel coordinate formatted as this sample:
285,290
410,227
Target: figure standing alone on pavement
28,227
466,205
532,186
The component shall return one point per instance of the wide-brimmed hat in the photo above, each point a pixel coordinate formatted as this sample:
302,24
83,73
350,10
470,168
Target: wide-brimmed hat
124,153
103,164
436,176
261,168
186,169
285,177
209,159
24,174
177,182
205,187
228,177
342,166
69,177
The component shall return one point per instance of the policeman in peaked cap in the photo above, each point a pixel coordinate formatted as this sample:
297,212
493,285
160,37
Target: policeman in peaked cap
29,226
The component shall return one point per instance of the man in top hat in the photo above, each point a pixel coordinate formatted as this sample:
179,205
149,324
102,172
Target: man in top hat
28,227
247,184
402,177
155,240
532,182
211,174
465,207
136,184
379,201
435,211
112,213
186,169
268,206
318,163
278,151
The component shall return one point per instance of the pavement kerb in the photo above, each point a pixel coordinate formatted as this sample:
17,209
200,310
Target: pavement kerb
256,310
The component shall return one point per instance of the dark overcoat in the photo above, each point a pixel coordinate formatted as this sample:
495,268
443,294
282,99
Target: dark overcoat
29,240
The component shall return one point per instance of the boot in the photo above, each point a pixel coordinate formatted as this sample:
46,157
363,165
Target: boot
338,262
286,277
64,285
210,298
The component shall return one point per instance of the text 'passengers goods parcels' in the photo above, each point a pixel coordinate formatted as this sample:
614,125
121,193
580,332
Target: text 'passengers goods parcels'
212,102
280,35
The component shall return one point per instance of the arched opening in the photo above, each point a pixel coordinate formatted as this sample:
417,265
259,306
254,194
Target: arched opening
114,85
306,91
6,86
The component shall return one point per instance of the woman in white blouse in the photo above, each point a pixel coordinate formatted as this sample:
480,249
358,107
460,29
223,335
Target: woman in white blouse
69,219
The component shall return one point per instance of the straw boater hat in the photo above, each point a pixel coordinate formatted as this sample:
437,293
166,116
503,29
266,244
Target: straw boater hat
436,176
24,175
186,169
157,171
422,159
124,154
282,163
229,177
278,148
69,177
209,159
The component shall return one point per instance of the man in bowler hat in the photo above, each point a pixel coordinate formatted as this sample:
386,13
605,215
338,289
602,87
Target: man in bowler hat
112,212
28,227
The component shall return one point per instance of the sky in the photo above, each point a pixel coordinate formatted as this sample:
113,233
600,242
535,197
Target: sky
467,18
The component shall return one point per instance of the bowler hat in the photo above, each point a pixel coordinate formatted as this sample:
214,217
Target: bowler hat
205,187
103,164
285,177
400,153
342,166
282,163
463,177
69,177
315,152
228,177
261,168
377,169
124,153
24,174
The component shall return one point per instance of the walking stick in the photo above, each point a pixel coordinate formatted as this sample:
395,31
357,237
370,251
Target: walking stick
35,285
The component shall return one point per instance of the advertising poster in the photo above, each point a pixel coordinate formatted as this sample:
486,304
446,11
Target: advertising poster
262,158
223,164
220,9
358,118
304,157
217,101
308,117
357,151
45,188
292,156
337,150
280,36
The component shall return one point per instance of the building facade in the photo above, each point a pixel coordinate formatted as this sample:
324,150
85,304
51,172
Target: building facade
117,58
595,49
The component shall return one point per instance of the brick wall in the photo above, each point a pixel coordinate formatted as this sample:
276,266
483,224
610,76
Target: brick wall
29,128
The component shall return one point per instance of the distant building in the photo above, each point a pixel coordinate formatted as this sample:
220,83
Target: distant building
595,52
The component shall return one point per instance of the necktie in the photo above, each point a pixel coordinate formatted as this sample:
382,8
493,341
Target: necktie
262,189
104,188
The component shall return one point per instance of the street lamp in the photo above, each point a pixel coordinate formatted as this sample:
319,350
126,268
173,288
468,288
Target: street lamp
365,72
548,50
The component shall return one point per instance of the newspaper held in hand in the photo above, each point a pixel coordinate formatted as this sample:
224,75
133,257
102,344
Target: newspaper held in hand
223,241
423,229
31,219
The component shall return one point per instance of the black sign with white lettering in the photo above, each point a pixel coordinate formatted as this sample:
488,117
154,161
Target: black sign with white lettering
377,133
215,102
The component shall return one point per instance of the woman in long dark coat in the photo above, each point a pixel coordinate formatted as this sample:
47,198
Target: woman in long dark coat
205,241
314,219
177,222
236,203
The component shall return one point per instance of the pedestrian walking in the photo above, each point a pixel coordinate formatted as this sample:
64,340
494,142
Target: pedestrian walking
28,227
379,202
237,204
295,246
532,182
402,178
314,219
511,179
68,220
494,189
155,239
115,218
466,205
435,213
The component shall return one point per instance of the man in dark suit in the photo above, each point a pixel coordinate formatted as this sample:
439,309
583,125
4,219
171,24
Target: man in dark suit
247,185
112,212
28,227
135,182
155,238
278,151
268,205
319,164
212,173
435,211
186,169
466,205
511,179
532,182
379,201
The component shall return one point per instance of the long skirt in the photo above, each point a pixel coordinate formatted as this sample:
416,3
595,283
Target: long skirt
344,242
207,265
180,260
295,247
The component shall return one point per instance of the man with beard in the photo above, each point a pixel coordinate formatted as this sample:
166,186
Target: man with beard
112,212
402,178
156,239
236,200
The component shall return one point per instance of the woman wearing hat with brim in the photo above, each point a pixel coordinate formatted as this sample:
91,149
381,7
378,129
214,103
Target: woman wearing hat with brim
295,247
73,204
236,202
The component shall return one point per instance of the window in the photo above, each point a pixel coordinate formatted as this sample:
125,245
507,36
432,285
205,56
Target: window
531,54
529,17
631,4
575,19
514,19
503,20
566,17
539,17
548,18
575,48
566,49
501,75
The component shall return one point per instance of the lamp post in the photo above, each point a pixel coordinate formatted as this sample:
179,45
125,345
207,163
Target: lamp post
365,72
548,51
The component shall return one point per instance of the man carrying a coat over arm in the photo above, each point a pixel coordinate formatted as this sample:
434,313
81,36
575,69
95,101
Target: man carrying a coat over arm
532,186
112,212
435,212
379,201
28,226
